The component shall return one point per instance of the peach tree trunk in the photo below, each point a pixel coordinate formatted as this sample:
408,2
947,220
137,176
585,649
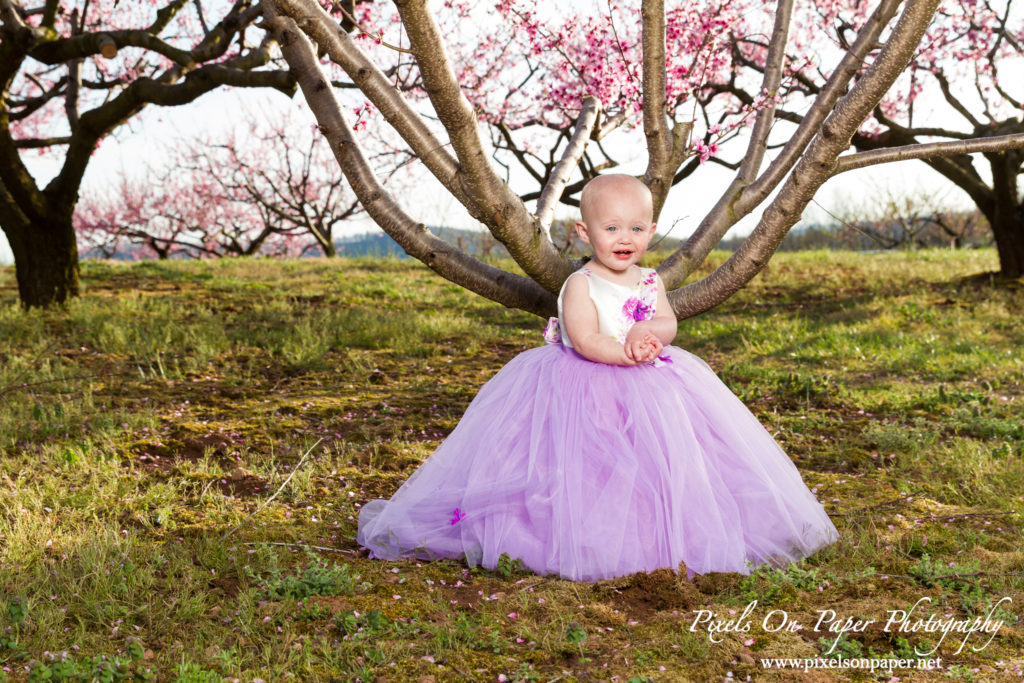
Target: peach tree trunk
45,252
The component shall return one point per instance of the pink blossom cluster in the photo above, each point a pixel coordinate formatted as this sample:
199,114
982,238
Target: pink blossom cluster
600,55
529,66
526,65
971,46
362,113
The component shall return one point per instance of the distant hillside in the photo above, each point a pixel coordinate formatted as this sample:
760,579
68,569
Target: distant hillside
879,236
482,244
474,242
369,244
365,244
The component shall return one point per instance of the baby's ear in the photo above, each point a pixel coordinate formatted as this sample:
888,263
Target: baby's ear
581,230
654,228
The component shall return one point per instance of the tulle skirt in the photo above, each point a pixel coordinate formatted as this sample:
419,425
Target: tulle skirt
591,471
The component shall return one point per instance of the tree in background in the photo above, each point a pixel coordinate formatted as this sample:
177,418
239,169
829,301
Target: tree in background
270,187
167,218
963,83
976,62
582,79
72,72
888,217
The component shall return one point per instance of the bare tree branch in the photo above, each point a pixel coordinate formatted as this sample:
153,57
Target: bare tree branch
952,99
312,19
505,213
202,16
930,150
38,143
414,237
659,144
521,155
12,18
959,169
169,89
74,79
741,198
610,124
552,191
769,88
813,169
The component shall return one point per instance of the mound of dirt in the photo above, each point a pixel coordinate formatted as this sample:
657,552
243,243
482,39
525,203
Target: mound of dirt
646,593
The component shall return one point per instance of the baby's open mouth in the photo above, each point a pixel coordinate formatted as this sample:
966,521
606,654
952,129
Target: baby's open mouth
623,252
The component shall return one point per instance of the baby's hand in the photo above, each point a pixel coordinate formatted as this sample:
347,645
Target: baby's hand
637,350
655,346
641,345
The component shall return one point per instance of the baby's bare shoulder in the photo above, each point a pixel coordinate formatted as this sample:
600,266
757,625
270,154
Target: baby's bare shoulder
577,286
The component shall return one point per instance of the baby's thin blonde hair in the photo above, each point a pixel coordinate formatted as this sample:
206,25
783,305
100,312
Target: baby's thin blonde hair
604,183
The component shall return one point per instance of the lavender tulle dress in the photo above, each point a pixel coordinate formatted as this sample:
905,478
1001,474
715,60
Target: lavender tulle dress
591,471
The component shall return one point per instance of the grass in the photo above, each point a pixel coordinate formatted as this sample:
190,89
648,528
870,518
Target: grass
171,400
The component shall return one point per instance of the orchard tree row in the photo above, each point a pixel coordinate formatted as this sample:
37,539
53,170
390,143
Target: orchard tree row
786,95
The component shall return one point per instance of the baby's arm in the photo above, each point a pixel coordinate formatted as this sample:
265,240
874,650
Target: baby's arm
662,325
582,326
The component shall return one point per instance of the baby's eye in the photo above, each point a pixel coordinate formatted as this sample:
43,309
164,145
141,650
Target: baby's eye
612,228
637,228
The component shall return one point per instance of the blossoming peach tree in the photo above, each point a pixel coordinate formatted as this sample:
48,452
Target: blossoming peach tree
71,72
550,90
268,186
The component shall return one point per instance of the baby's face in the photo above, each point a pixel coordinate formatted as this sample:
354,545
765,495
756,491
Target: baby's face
617,223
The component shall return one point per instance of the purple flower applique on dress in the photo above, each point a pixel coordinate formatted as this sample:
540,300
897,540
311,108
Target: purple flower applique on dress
553,332
637,309
457,517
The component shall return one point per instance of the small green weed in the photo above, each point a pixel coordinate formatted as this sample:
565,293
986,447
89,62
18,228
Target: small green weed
312,613
524,674
318,578
577,635
466,631
960,672
507,566
915,312
352,624
841,647
769,585
903,649
191,672
16,610
930,572
64,667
